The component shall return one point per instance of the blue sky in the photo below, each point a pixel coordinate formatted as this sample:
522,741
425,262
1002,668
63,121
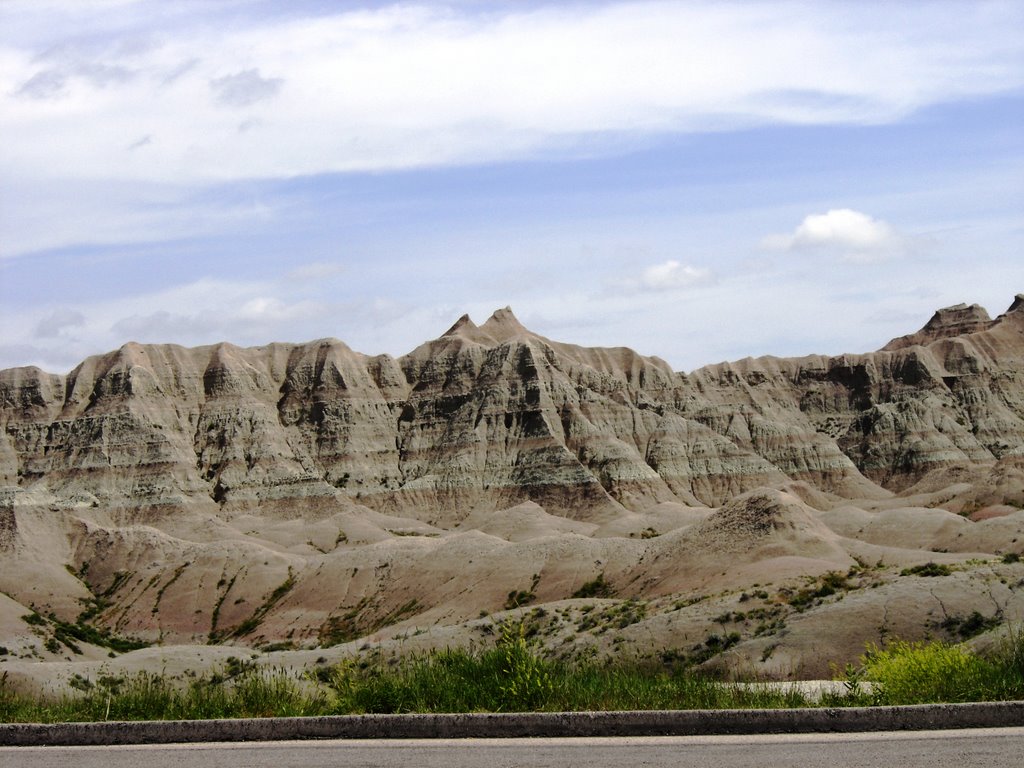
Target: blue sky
700,181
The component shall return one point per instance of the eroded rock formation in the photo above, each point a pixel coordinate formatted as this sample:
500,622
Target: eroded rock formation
493,415
188,487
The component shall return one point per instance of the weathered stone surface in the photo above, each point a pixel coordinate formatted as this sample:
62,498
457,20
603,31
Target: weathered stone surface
957,320
307,493
495,415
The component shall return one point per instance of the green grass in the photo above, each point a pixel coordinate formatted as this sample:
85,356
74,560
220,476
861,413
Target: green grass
509,677
512,676
148,696
920,673
499,681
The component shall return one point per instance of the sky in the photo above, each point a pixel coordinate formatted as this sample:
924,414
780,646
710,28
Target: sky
701,181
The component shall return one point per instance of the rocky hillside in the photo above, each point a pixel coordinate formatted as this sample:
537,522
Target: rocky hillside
147,476
489,416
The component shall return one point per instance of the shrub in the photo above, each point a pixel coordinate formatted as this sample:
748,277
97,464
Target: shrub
917,673
973,625
518,598
596,587
927,569
830,583
526,684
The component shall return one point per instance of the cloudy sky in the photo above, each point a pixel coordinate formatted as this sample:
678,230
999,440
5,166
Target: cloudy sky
697,180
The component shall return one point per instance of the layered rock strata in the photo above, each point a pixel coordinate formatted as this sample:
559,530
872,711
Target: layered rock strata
490,416
186,488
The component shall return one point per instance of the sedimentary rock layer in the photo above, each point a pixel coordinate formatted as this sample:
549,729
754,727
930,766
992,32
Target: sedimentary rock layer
487,417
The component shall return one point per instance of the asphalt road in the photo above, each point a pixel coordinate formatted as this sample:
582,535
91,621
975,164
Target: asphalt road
988,747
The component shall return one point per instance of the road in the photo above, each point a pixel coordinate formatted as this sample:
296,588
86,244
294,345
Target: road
988,747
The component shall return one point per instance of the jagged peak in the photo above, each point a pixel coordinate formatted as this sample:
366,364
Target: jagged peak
948,315
1017,305
957,320
464,323
465,329
503,325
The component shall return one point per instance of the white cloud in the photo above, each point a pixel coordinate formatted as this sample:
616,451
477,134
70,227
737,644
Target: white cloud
857,236
204,311
47,84
58,321
48,214
671,275
406,86
243,89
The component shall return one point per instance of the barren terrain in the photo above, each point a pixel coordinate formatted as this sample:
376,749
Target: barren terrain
298,503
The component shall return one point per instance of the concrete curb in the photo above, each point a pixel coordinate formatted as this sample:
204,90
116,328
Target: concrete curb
542,724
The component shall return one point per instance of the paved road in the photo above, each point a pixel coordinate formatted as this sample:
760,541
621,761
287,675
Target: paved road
988,747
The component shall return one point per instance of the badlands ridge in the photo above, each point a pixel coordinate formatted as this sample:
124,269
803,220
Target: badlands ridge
301,502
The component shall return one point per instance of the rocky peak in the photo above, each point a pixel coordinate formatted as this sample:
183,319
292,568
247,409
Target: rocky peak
461,326
958,320
503,325
500,327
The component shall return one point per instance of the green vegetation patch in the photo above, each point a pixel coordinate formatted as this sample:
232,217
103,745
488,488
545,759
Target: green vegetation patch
618,616
69,635
160,592
148,696
921,673
596,587
513,675
519,598
969,627
215,616
360,620
250,624
927,569
825,586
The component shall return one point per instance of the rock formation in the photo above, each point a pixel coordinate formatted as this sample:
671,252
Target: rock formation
494,415
148,475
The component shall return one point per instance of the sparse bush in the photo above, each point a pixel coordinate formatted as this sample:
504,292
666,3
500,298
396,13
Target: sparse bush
927,569
596,587
519,598
917,673
973,625
826,586
527,683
